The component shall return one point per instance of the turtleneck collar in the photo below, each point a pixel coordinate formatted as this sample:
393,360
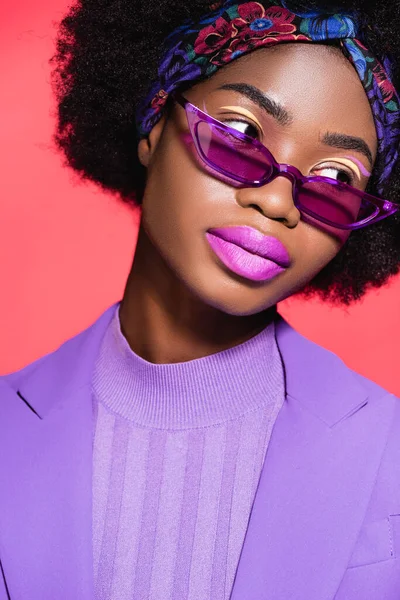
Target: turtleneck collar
197,393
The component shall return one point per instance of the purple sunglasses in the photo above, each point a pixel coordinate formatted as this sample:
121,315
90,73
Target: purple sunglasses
245,160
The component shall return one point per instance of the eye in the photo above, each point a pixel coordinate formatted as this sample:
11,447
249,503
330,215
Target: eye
243,126
337,173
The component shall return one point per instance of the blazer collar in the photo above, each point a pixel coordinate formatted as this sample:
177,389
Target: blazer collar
311,373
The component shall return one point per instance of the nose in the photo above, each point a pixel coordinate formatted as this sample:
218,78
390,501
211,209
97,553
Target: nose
274,200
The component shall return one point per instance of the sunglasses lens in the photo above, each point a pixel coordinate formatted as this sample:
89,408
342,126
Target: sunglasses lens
335,203
229,154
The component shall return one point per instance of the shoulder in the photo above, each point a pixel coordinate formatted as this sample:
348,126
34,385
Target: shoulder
320,379
371,386
73,359
16,377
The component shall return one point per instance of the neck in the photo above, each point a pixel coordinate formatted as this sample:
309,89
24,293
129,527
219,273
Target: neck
164,322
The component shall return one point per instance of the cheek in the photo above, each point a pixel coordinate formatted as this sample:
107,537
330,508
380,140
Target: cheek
180,197
314,249
176,205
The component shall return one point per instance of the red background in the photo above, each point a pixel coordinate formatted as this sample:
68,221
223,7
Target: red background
66,247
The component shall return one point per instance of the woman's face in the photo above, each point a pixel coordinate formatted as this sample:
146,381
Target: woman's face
319,93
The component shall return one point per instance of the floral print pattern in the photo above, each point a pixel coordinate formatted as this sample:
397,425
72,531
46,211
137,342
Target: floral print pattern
254,19
215,37
328,27
196,50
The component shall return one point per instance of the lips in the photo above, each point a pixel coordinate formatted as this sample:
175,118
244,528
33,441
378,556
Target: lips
254,241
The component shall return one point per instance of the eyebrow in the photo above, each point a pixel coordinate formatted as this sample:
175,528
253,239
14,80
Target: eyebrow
270,106
284,117
348,142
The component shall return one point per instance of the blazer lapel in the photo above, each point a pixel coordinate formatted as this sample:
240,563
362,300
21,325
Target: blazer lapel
312,494
316,481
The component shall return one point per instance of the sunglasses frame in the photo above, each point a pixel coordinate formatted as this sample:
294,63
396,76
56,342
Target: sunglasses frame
384,208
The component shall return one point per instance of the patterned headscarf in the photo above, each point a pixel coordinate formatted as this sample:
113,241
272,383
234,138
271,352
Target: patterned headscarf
195,50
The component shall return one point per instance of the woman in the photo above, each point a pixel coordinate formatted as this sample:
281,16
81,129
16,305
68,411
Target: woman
191,444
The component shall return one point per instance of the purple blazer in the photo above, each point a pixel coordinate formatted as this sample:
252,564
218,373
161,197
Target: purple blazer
325,522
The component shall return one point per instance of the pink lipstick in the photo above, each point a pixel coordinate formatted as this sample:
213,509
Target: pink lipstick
249,253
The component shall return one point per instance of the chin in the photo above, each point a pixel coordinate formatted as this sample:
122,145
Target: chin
238,302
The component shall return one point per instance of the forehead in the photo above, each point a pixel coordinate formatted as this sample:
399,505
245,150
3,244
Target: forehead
315,83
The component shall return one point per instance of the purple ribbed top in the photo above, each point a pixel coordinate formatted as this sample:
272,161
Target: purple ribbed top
177,454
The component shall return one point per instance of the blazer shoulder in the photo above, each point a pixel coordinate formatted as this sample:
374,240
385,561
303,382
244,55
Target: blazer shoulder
384,503
46,362
386,401
68,358
374,389
16,377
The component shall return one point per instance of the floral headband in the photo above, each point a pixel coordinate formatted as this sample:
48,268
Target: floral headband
195,51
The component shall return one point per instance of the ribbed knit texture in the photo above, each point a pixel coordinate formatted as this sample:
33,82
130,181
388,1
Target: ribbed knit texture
177,455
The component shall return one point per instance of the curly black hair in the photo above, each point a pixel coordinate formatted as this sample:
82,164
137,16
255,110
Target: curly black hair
107,54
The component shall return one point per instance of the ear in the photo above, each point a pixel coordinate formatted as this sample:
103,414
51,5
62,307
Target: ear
147,146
